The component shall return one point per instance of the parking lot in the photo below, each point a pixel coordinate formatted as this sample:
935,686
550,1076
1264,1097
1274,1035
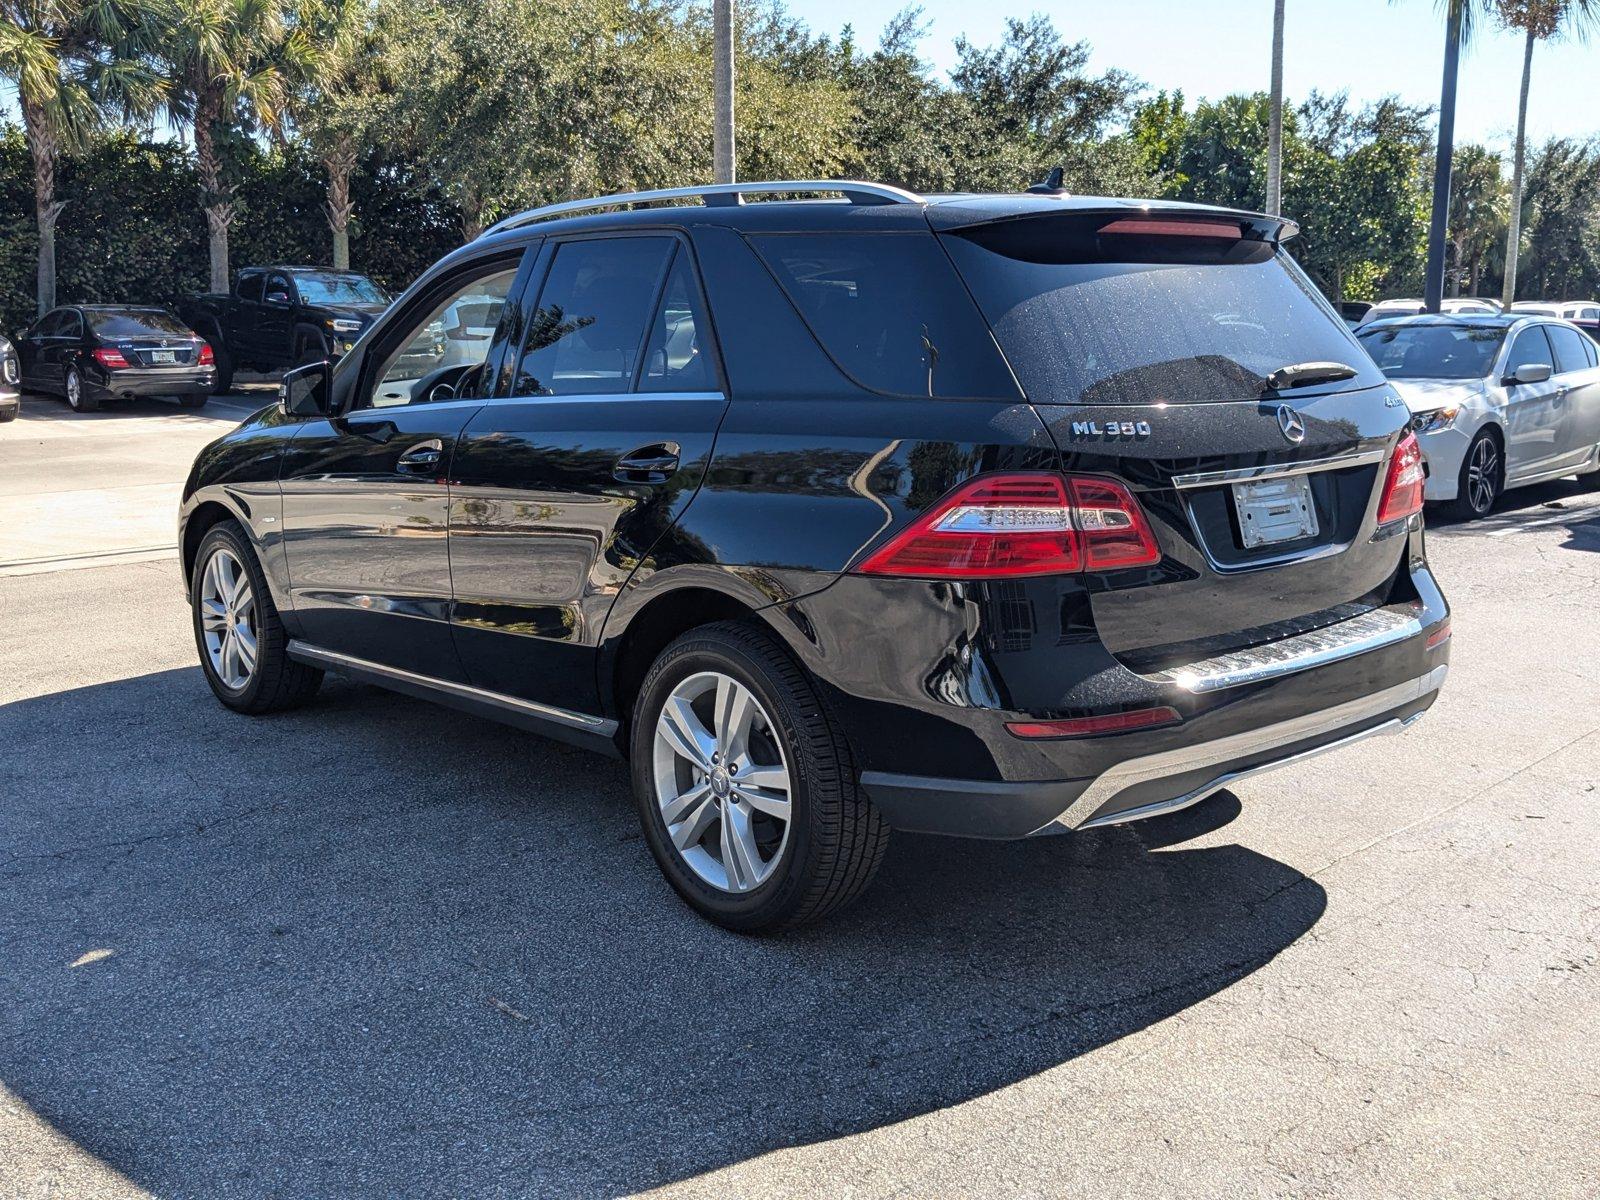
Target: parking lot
374,947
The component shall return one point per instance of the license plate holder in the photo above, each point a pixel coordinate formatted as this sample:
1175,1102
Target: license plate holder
1275,510
163,357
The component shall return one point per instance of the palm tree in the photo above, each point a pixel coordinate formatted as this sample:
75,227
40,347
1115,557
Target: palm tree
73,62
1538,20
223,65
1275,125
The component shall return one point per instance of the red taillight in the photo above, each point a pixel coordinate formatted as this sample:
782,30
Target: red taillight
1439,636
110,359
1139,718
1166,227
1402,487
207,358
1004,526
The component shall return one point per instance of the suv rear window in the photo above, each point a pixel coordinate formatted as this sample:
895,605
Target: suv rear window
890,311
137,323
1092,317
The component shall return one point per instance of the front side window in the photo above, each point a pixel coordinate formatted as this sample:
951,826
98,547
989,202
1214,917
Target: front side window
1568,344
585,335
442,355
1530,349
890,311
1433,351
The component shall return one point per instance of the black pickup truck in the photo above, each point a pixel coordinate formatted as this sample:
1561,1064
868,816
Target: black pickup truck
279,317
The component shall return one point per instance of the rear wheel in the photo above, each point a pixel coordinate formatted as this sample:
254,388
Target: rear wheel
222,381
745,787
78,399
243,645
1482,477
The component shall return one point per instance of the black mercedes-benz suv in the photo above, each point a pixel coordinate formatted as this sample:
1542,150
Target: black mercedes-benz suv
837,509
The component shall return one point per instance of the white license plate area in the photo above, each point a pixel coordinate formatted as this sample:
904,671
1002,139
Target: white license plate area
163,356
1275,510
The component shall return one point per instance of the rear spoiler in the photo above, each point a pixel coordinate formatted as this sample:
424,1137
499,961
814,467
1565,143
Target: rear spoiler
970,212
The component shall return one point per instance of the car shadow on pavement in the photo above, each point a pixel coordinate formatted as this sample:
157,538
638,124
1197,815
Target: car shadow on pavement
374,948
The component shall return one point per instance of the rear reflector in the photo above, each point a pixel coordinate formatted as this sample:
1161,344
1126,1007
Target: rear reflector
1139,718
1439,636
1005,526
1402,487
1163,227
110,359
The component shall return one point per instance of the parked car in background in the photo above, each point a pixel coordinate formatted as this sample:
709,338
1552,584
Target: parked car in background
1585,314
279,317
1496,402
1536,308
1455,306
10,377
983,515
90,354
1354,311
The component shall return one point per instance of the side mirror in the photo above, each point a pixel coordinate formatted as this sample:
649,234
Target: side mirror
307,391
1528,373
278,299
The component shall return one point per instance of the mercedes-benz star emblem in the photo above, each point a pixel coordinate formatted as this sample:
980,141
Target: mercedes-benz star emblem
1289,421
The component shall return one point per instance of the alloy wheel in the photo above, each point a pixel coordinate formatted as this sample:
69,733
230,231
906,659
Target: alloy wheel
722,782
228,619
1483,475
74,389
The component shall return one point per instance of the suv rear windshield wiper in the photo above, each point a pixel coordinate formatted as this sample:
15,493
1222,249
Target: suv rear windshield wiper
1304,374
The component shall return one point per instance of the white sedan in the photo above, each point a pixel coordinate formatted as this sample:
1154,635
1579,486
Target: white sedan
1497,402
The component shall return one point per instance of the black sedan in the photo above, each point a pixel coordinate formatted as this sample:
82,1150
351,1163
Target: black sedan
92,353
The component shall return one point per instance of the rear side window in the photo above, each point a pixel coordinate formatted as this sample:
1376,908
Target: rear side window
890,311
250,288
676,358
1088,315
137,323
587,332
1569,348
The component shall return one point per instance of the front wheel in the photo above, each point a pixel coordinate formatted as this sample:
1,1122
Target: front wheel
78,399
745,786
1482,477
243,645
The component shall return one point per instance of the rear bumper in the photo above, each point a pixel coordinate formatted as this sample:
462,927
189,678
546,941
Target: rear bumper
185,381
1147,785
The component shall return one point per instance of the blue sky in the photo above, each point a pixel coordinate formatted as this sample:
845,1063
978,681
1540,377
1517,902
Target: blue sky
1212,47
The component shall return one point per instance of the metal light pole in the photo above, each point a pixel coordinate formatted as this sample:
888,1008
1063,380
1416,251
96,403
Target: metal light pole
722,110
1275,128
1433,281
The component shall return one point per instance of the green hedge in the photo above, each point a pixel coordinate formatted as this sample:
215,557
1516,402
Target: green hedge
133,231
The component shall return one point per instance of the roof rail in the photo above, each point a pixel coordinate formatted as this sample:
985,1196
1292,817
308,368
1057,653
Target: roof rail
715,194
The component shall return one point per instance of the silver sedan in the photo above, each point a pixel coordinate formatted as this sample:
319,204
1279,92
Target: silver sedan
1497,402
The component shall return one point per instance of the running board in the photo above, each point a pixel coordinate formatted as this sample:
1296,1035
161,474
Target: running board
579,729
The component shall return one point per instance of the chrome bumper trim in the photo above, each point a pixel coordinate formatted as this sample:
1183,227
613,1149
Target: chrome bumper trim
1279,470
1079,814
1370,630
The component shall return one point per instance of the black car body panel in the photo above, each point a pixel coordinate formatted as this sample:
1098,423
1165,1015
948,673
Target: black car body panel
530,571
160,356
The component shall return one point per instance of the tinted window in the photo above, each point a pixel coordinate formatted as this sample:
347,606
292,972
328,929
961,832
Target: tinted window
1433,351
1529,348
1092,317
439,358
250,287
71,324
138,322
585,335
339,289
889,310
1569,348
675,359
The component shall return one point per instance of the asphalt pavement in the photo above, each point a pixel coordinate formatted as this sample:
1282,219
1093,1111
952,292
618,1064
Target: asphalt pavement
377,948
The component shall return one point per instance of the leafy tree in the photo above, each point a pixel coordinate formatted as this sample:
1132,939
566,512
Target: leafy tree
1478,213
1563,206
71,60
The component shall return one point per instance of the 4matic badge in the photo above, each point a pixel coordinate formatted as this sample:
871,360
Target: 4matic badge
1111,430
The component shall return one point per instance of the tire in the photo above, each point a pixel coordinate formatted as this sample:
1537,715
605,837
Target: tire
222,383
834,839
1483,461
274,681
9,415
77,399
192,401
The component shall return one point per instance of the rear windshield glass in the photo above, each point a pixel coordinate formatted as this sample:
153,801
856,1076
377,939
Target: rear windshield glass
1433,351
1111,318
888,308
339,289
137,322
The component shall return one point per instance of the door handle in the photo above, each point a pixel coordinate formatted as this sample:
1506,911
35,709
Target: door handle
648,464
422,458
